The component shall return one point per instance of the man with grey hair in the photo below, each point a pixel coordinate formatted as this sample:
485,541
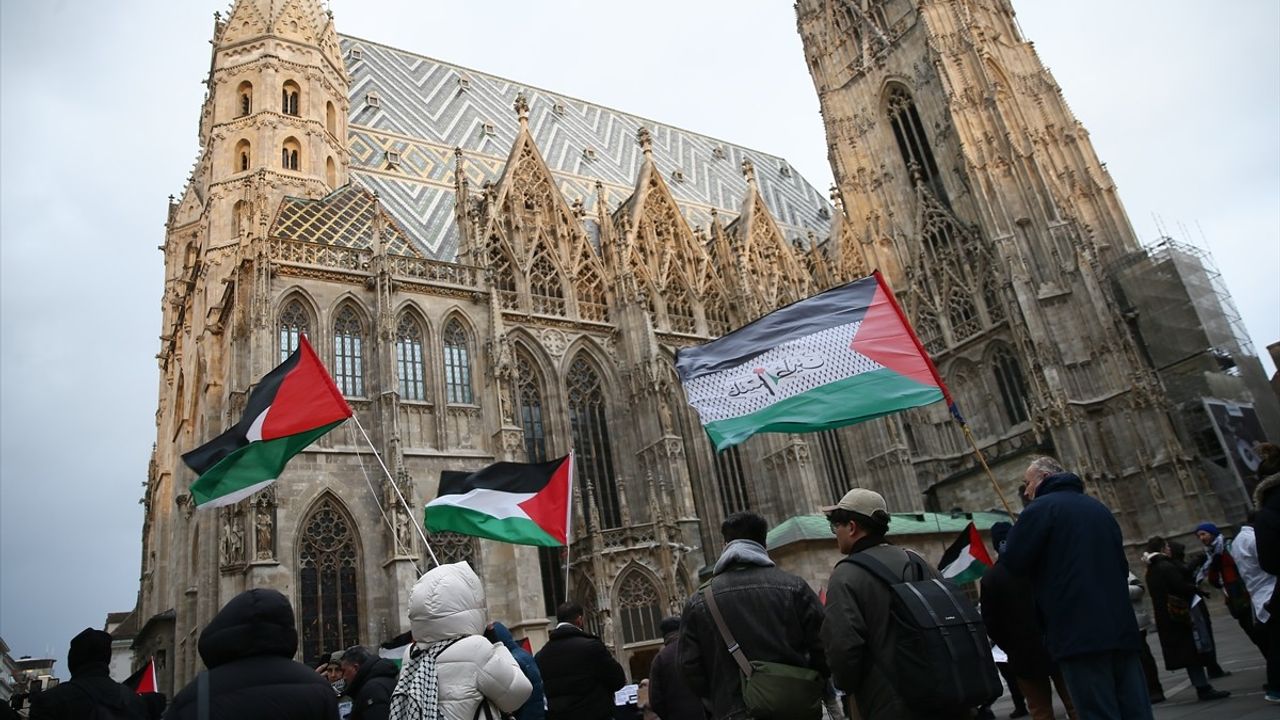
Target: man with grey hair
1071,549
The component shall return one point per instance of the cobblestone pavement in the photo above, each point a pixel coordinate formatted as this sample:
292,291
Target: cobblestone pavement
1235,653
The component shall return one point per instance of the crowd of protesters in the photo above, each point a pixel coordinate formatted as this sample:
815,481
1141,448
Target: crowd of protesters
1060,603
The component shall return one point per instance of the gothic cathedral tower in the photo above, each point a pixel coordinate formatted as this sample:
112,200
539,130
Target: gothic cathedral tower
966,178
272,126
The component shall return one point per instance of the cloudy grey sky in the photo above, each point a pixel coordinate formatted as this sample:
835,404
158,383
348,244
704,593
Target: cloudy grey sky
98,110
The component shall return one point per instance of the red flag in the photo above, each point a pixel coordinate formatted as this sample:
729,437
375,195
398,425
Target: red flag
144,680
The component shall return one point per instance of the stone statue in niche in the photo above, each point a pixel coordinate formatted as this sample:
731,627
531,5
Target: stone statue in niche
265,532
506,390
232,545
404,534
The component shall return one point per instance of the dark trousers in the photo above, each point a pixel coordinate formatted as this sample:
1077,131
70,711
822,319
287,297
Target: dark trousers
1107,686
1015,692
1149,668
1273,649
1039,695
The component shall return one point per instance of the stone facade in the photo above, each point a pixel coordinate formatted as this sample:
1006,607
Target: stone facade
492,272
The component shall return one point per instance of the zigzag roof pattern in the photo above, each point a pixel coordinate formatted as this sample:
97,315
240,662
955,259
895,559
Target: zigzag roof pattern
419,109
344,217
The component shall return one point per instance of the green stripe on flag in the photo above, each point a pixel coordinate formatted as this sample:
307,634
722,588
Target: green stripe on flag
843,402
246,470
455,518
973,573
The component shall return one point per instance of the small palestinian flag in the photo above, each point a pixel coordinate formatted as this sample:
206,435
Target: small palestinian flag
291,407
144,680
967,559
518,503
840,357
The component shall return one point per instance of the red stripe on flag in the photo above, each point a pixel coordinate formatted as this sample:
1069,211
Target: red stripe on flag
977,548
147,683
891,341
307,398
549,508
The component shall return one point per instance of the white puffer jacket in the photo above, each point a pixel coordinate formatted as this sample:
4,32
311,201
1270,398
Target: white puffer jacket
448,602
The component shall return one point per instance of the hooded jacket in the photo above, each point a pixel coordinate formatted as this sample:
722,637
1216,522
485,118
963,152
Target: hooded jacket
579,675
248,648
669,694
775,617
370,689
448,604
535,708
90,687
1071,548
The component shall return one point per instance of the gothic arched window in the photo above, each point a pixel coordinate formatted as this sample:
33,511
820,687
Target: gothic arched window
717,316
328,581
529,407
992,299
245,98
331,119
457,363
294,323
411,366
640,608
290,154
452,547
545,289
1013,389
289,98
243,155
732,481
348,352
587,419
913,143
833,457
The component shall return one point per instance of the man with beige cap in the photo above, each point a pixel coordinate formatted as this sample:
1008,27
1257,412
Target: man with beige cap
857,633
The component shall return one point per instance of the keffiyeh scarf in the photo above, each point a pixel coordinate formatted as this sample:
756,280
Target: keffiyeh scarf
417,693
1212,552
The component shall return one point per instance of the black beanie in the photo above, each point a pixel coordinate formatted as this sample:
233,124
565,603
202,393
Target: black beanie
88,647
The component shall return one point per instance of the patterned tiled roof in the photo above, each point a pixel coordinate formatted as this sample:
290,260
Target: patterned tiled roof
423,108
344,217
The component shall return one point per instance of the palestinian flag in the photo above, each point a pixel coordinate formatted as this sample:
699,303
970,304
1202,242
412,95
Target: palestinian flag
967,559
838,358
144,680
519,503
290,408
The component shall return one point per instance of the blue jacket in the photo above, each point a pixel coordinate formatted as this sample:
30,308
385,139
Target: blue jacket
1070,547
535,707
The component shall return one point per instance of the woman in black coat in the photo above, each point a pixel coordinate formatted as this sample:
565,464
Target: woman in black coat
1172,592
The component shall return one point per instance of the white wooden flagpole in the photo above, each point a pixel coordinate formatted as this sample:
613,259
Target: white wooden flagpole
421,533
568,523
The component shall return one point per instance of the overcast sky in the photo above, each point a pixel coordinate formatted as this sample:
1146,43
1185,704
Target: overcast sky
98,109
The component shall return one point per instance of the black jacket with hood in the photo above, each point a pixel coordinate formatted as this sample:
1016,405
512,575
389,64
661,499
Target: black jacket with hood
90,687
579,675
249,647
370,689
774,616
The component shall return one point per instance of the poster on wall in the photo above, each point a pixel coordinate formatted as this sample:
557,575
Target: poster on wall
1238,432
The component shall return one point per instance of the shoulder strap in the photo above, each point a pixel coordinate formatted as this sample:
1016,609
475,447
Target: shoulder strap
882,571
734,649
202,695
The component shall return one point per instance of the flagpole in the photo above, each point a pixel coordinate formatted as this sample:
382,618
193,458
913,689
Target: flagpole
982,459
395,536
568,523
421,533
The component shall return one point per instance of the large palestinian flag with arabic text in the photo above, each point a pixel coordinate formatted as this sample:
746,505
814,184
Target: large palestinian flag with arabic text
838,358
519,503
291,407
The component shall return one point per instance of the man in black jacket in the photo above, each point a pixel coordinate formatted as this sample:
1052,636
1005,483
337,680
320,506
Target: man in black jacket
773,615
579,675
669,695
370,680
248,647
90,687
1069,546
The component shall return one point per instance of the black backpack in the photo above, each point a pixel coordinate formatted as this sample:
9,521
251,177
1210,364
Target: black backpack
940,639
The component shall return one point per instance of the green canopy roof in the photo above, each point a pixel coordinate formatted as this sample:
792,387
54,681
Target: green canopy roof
815,527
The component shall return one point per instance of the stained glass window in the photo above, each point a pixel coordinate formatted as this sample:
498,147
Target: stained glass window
328,577
348,361
587,419
410,363
457,363
294,323
640,607
732,480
